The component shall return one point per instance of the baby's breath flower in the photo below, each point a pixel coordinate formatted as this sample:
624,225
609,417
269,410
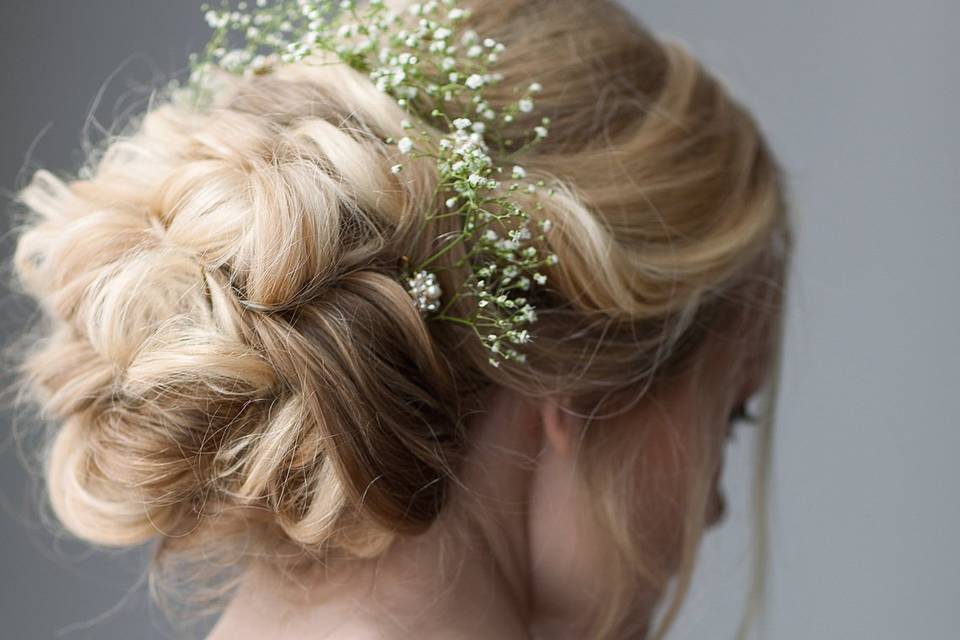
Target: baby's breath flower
416,60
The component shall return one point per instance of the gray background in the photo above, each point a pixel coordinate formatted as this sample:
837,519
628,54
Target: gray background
855,98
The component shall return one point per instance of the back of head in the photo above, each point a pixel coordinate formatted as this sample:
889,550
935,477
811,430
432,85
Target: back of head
229,356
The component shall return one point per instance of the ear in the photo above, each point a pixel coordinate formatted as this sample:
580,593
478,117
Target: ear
560,428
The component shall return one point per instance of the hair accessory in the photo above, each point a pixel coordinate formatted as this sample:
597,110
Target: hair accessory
417,60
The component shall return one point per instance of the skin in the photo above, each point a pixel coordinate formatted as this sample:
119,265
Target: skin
520,567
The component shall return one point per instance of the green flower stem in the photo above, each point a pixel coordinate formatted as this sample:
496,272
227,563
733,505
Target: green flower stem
456,320
444,250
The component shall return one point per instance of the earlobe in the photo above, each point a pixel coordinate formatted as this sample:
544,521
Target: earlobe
560,427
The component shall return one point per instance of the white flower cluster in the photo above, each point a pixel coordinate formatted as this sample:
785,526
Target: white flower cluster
425,61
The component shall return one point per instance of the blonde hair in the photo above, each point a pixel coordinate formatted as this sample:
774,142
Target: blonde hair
229,356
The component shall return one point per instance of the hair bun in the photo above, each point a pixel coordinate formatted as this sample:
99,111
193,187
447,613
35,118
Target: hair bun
226,334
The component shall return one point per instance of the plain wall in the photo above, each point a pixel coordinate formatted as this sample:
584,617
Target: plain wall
857,99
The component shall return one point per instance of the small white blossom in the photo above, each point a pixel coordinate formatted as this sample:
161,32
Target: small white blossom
397,168
461,123
541,132
519,173
525,105
405,145
520,337
475,81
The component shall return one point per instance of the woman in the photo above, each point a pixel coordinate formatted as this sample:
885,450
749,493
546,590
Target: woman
236,369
